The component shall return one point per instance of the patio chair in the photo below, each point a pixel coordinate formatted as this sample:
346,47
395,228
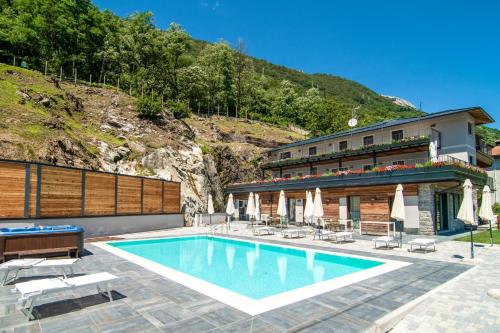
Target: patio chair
32,290
387,240
17,265
422,243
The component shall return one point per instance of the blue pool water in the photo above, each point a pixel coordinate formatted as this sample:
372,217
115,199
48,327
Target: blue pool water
250,269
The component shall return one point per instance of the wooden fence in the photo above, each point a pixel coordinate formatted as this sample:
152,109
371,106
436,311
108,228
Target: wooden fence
35,190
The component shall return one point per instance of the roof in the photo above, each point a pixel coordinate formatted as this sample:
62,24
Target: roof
477,112
495,151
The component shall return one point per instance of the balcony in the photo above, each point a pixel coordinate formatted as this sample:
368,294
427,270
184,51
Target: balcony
406,145
483,151
447,169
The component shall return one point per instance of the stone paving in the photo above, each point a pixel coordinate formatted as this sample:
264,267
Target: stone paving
147,302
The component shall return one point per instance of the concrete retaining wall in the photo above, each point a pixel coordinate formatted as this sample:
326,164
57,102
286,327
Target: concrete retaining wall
108,225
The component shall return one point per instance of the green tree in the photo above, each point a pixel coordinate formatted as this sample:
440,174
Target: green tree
284,103
218,64
148,107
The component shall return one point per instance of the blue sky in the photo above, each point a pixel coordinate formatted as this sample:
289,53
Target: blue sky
442,54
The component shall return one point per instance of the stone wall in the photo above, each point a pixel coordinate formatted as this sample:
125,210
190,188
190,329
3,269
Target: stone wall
426,209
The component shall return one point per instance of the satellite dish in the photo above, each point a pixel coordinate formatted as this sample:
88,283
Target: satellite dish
352,122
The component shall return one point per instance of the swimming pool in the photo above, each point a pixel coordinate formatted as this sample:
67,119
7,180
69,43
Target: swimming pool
251,276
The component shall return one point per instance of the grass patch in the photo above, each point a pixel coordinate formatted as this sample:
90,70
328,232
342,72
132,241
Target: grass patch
482,237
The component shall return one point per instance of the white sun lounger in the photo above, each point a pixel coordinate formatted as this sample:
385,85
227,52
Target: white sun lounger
31,290
341,235
422,243
387,240
260,231
17,265
295,232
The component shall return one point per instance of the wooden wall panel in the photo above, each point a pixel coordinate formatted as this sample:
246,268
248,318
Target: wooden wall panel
374,200
99,194
12,176
33,187
61,192
152,196
129,195
172,197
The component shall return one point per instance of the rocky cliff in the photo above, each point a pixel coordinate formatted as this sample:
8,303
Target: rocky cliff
44,120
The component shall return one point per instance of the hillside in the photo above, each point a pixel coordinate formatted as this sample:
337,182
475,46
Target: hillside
98,128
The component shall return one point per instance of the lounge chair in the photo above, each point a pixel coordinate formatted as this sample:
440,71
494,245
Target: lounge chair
321,234
31,290
19,264
260,231
387,240
422,243
340,236
294,233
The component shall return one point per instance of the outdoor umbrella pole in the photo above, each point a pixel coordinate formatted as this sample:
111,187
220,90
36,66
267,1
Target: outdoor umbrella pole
400,234
491,235
471,243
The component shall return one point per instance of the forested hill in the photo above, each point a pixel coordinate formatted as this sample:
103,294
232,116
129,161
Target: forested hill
74,38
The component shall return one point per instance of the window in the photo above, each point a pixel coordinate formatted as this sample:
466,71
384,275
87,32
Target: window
367,167
333,170
286,155
299,174
471,159
314,170
287,175
397,135
368,140
342,145
312,151
469,128
343,169
398,162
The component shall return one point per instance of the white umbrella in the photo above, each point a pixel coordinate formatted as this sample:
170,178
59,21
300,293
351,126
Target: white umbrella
309,209
251,207
398,210
318,207
433,152
210,252
230,208
485,211
282,212
210,207
257,207
466,211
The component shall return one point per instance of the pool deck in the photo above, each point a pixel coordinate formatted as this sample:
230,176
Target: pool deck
147,302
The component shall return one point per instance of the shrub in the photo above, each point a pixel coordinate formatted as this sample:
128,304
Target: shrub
179,109
496,208
148,107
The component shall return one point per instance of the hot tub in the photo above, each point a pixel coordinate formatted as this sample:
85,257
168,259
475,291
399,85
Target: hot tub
40,241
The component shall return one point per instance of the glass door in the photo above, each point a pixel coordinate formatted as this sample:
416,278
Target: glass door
354,210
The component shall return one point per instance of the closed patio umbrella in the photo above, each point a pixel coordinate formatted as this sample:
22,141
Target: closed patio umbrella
398,210
466,212
433,151
318,208
210,207
230,208
485,211
309,209
257,207
251,207
282,212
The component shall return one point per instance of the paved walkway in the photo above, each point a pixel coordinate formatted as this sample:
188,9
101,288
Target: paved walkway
147,302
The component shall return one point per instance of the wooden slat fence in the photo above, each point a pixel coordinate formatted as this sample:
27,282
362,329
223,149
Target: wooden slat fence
35,190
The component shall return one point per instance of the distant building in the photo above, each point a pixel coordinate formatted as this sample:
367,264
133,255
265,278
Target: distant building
494,171
358,170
